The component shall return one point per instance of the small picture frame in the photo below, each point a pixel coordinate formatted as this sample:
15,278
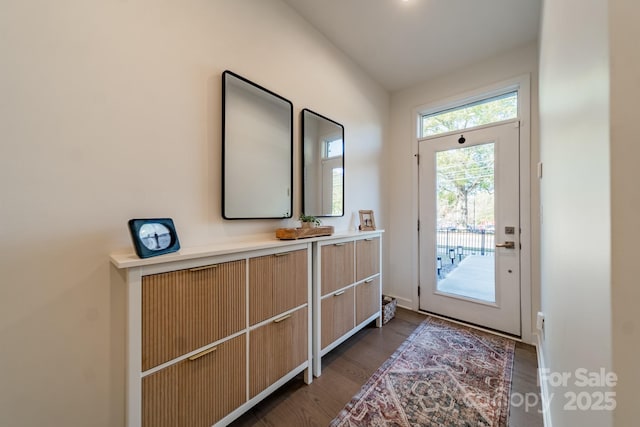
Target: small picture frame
153,236
367,223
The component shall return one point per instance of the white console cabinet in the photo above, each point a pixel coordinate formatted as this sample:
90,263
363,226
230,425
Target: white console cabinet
213,331
347,289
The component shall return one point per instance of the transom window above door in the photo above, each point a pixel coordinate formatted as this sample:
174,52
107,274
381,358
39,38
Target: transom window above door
485,111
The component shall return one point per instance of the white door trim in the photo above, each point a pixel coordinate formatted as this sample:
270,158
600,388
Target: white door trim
523,85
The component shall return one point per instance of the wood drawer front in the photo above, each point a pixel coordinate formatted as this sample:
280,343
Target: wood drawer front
277,283
337,266
185,310
367,257
368,299
198,392
337,316
277,348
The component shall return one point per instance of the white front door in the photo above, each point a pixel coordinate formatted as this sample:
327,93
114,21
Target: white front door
470,226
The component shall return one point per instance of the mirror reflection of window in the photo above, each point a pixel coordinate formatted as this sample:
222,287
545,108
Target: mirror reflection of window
323,175
338,191
332,177
333,148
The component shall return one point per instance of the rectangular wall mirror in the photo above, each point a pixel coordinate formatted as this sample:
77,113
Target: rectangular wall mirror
323,165
257,151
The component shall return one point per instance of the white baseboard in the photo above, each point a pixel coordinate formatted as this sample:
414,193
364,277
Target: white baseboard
544,389
403,302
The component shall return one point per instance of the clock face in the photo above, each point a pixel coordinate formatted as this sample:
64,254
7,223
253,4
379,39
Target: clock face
155,236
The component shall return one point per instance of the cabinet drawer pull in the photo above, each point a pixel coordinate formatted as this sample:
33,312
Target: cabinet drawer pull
203,353
369,239
338,244
337,294
368,281
282,318
204,267
282,254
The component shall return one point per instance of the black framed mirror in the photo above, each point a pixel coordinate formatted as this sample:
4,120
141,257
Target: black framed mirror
323,165
257,151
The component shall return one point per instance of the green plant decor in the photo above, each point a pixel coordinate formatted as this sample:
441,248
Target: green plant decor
309,218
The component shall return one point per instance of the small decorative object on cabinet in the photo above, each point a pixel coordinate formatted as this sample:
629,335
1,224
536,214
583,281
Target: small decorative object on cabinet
153,236
212,331
367,223
303,233
310,227
308,221
347,289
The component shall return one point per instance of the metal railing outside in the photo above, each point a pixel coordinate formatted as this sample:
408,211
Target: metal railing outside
464,242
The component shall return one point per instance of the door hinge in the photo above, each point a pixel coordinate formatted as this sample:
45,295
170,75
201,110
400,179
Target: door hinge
417,158
418,225
418,290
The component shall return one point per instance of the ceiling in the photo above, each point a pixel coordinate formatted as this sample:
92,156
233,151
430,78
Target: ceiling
400,43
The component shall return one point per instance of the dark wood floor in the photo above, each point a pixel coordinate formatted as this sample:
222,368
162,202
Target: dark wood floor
348,367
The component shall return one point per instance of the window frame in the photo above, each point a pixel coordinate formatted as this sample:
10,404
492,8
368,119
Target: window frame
326,147
481,101
463,100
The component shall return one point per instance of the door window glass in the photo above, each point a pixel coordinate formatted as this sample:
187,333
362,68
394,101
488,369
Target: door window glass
465,265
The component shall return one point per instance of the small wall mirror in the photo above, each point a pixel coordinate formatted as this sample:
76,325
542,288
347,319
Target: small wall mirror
323,165
257,151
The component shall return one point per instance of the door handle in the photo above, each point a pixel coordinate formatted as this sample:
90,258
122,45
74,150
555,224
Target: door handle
508,245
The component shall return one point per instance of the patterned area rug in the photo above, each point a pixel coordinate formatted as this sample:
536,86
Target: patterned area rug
444,374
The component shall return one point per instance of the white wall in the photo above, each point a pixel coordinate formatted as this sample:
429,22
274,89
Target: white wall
575,196
402,273
95,92
625,205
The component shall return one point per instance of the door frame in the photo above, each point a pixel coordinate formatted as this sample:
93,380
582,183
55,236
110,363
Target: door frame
503,313
522,84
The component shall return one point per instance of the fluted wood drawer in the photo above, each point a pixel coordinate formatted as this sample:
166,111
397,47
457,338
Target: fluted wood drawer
188,309
368,299
367,257
199,392
277,283
337,315
276,348
337,266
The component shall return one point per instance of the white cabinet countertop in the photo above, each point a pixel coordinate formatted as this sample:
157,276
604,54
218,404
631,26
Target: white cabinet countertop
129,259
